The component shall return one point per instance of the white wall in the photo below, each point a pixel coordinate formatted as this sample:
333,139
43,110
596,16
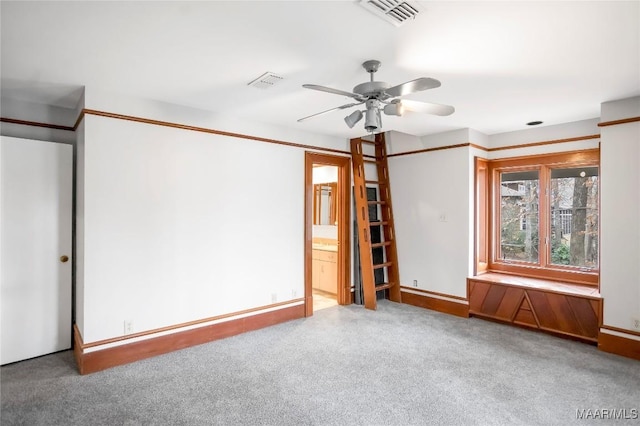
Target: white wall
79,229
620,214
430,194
182,225
329,232
398,142
325,174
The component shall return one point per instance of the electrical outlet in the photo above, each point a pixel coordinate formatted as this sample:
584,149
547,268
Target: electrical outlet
442,217
415,283
128,326
635,324
294,294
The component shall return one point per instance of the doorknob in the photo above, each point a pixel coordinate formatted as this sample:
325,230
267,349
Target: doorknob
64,259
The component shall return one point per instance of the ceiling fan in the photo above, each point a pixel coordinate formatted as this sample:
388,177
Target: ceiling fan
380,96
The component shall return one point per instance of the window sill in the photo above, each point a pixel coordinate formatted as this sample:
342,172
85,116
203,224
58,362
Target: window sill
566,276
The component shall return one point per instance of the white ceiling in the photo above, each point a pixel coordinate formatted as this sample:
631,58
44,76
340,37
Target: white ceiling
501,64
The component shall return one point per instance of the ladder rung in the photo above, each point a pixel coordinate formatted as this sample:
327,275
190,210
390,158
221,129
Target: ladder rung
382,265
377,202
383,286
377,182
384,244
371,161
369,142
378,223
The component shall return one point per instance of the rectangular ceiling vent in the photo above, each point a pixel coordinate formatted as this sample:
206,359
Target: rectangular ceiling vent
397,12
266,80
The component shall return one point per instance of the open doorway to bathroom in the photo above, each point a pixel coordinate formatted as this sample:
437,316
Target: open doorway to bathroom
327,231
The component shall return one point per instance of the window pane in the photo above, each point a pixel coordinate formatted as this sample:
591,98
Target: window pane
574,217
519,195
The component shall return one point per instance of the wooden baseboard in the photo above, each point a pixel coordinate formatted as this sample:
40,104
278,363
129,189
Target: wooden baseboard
91,362
436,304
618,345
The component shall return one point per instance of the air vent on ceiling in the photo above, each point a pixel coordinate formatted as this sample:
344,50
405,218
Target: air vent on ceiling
397,12
266,80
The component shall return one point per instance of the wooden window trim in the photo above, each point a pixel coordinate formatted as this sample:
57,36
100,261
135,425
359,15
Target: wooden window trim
481,242
543,269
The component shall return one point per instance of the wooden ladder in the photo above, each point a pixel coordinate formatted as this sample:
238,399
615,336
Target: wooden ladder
388,262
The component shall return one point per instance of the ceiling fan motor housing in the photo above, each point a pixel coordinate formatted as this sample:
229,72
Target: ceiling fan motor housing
372,89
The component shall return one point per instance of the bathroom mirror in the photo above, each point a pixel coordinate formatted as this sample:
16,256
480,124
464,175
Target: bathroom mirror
325,210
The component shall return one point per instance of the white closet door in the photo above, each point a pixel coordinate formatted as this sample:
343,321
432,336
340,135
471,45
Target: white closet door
35,231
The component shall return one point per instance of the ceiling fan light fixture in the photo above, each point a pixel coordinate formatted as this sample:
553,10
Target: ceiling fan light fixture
394,108
372,121
353,118
378,97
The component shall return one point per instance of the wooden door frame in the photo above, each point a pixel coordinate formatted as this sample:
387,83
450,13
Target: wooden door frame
344,225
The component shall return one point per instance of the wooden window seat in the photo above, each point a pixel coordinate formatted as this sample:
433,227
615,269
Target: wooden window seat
566,309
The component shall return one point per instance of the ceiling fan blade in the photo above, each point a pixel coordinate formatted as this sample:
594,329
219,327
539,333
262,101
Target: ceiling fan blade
330,110
334,91
413,86
427,107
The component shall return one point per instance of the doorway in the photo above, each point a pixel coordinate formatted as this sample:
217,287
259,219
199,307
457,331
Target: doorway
327,230
36,213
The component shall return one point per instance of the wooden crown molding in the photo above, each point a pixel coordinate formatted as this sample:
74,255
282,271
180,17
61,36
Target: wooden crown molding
207,130
499,148
439,148
167,124
36,124
616,122
541,143
297,145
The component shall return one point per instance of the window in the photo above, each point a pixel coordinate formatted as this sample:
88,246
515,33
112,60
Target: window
543,216
574,217
519,195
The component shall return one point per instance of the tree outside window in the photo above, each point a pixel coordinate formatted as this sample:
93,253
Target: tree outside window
574,217
544,216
